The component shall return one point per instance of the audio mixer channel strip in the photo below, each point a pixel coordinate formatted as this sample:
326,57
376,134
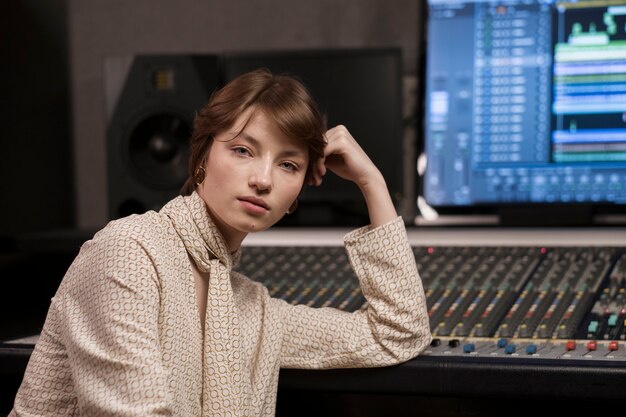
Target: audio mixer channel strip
486,301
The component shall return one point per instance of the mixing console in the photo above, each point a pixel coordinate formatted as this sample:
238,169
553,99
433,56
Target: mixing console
514,314
487,301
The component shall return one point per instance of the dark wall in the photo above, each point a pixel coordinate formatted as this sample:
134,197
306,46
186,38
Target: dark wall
36,181
36,154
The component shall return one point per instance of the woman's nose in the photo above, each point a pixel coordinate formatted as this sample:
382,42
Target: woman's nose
261,177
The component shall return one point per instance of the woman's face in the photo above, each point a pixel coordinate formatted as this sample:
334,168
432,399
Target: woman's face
252,177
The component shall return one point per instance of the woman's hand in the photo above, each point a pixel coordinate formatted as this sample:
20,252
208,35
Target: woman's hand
344,157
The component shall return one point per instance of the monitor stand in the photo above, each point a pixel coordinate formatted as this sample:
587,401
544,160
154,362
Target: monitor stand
545,216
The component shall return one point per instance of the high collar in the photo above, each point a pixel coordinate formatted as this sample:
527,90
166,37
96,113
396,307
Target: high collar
222,330
199,234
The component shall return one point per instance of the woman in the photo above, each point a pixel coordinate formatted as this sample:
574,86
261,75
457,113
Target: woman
151,320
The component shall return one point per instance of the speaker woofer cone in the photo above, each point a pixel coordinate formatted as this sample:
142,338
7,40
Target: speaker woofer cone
158,150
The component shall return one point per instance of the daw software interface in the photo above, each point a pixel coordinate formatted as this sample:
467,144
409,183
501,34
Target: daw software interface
525,102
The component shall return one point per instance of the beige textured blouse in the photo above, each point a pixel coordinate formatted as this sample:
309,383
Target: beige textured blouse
123,334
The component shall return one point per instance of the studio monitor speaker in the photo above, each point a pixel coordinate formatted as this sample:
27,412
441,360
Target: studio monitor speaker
151,101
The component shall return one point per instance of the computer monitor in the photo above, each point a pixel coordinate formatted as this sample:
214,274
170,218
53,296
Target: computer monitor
357,87
524,107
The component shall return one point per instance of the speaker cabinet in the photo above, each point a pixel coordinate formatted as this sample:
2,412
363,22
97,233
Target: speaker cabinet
151,101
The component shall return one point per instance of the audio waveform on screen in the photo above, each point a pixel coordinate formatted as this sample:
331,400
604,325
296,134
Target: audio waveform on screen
589,83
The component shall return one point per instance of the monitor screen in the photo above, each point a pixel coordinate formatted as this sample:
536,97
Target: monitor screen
524,103
359,88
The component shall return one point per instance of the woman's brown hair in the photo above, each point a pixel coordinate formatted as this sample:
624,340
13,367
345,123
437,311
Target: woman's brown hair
282,98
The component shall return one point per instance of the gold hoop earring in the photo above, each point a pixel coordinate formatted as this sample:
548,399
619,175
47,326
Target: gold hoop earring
293,207
198,176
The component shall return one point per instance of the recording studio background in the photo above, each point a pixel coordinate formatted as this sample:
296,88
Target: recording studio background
53,166
63,112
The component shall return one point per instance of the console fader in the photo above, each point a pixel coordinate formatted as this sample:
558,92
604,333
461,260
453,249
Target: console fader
485,301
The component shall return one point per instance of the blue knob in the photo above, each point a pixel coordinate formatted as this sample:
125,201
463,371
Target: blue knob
469,348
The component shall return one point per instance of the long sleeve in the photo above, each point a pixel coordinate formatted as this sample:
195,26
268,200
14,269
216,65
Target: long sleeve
105,316
392,329
111,332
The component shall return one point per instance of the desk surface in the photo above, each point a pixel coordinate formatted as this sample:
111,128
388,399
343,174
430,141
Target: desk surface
436,376
453,236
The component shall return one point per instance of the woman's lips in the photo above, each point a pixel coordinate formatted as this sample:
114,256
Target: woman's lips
254,205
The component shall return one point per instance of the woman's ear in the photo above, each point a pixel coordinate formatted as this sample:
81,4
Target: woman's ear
198,175
293,206
309,179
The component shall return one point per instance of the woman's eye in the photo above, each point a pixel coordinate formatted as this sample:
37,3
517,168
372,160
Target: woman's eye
289,166
241,151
